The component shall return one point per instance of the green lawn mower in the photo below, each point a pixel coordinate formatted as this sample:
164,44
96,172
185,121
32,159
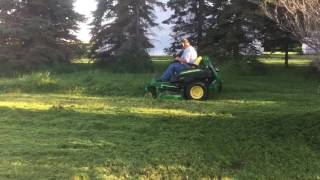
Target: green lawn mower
195,83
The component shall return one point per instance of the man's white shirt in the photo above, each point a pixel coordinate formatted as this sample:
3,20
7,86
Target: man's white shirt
190,55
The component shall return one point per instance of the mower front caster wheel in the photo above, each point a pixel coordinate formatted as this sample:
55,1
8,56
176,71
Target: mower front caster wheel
197,91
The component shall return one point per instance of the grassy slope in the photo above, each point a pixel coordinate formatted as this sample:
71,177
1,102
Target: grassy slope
93,124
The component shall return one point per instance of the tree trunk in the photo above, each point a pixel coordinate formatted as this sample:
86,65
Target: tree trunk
286,49
286,58
137,25
200,18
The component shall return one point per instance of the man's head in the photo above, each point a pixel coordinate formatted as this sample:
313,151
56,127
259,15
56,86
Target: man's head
185,43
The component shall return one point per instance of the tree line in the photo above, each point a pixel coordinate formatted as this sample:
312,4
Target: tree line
37,32
34,33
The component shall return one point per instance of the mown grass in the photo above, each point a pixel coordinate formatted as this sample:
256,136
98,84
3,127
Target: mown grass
93,124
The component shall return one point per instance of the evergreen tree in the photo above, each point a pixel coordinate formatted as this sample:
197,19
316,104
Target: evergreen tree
120,33
225,27
191,19
37,32
236,29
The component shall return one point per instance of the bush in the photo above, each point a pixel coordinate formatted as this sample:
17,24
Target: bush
128,62
247,65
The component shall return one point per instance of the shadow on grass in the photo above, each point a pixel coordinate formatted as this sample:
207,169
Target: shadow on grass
61,143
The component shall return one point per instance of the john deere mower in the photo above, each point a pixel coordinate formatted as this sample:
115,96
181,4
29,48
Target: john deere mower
195,83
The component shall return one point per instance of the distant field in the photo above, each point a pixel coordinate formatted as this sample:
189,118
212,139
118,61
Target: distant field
294,59
92,124
274,58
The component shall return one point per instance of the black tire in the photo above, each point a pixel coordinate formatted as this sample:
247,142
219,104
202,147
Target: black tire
197,91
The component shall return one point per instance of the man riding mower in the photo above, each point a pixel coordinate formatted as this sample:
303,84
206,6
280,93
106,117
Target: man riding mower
189,77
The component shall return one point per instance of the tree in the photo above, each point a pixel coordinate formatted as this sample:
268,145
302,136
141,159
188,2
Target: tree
190,19
276,39
217,27
235,29
240,25
120,33
37,32
300,17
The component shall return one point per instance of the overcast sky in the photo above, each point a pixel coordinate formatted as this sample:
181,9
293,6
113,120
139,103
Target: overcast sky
160,36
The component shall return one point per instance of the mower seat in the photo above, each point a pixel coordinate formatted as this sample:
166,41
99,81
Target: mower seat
193,72
198,60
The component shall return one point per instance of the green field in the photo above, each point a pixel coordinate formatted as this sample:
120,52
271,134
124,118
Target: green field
92,124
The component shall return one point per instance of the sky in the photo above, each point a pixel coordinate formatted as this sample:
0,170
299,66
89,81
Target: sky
159,37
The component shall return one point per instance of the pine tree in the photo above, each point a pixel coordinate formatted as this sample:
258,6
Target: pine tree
217,27
120,33
236,28
242,23
37,32
224,27
191,19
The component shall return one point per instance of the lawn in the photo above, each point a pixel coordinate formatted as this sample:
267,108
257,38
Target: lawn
92,124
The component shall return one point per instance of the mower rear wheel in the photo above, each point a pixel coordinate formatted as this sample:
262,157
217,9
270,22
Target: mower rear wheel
197,91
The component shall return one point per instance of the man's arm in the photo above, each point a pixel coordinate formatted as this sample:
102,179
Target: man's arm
186,55
181,60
